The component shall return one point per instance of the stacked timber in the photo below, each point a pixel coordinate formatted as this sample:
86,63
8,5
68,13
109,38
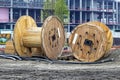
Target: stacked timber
9,49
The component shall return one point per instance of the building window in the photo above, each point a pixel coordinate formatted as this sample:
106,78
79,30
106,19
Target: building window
111,27
2,26
31,13
16,14
72,27
38,19
7,26
23,12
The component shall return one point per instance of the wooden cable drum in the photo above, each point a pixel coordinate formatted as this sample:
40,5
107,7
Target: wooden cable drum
91,41
48,39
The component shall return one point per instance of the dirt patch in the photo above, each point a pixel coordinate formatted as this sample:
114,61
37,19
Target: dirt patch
34,70
60,74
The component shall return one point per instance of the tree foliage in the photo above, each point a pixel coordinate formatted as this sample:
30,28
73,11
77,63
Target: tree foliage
55,7
48,8
61,10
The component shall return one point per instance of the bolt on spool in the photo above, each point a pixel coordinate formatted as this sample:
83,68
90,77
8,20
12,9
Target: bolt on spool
91,41
48,40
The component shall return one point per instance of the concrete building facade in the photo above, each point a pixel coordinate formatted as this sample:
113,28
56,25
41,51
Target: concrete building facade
106,11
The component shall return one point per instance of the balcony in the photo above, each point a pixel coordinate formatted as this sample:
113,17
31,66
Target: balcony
19,4
5,3
27,5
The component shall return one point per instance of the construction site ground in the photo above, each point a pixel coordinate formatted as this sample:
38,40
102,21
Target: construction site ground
35,70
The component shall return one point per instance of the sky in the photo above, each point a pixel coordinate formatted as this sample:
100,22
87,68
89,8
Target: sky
26,0
117,0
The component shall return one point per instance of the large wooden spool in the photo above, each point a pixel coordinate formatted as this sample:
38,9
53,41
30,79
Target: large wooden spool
91,41
47,40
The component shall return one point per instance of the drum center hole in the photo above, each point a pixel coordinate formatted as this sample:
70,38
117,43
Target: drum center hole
53,37
88,42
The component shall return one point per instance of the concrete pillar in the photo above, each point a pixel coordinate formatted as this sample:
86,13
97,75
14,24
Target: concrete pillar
68,27
69,12
11,3
41,12
35,15
113,12
20,13
107,5
80,11
11,12
11,15
107,14
92,14
27,12
103,14
74,4
68,4
80,4
117,12
92,4
85,7
81,17
85,17
69,16
103,5
74,17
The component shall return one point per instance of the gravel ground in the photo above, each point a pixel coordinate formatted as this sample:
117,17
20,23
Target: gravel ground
34,70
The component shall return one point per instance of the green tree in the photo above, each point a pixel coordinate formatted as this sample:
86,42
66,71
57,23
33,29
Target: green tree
61,10
48,8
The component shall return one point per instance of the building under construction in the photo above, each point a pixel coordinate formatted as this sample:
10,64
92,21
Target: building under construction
106,11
